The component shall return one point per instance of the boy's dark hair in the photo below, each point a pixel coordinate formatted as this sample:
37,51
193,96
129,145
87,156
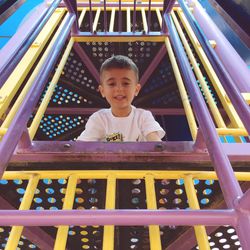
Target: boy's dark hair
119,62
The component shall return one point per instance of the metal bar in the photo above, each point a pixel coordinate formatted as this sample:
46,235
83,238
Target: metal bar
219,159
169,5
122,174
97,15
87,111
46,99
130,152
62,232
120,17
19,122
120,217
200,231
224,49
128,20
15,80
105,16
82,15
244,201
112,21
154,230
232,114
86,61
90,17
149,15
134,16
16,230
235,96
16,56
144,21
109,231
183,93
25,140
211,103
153,65
153,36
72,8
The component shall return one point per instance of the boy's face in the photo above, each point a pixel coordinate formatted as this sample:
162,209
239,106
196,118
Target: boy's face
119,87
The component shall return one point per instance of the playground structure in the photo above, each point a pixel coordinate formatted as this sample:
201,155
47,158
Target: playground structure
177,194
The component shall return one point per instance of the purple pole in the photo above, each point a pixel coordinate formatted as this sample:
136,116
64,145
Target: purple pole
117,217
229,185
15,130
149,15
72,8
16,56
134,16
225,51
105,17
85,59
167,7
90,16
235,96
244,201
120,17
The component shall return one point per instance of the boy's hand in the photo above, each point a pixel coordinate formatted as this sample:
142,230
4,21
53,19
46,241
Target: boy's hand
153,136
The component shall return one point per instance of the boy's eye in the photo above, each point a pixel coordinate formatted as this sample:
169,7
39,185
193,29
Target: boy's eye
111,84
126,83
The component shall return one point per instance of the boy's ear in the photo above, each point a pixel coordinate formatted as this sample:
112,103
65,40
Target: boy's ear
138,88
100,87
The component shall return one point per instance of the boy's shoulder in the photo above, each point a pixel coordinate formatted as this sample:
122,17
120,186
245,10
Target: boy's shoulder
140,111
101,113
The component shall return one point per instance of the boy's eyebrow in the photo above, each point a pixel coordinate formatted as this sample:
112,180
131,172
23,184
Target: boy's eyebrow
113,78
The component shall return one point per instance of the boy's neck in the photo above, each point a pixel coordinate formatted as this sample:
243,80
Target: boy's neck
121,112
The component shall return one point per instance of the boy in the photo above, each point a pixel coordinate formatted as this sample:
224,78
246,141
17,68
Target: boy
119,84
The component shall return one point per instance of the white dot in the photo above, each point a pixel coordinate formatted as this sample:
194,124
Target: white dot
226,246
223,240
219,234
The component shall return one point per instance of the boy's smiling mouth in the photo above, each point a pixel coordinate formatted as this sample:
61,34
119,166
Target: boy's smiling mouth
119,97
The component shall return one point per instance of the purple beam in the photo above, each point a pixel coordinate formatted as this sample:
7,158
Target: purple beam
138,35
223,48
120,217
149,16
87,111
228,183
153,65
244,201
21,118
72,8
90,16
177,152
120,17
105,16
199,142
113,4
229,85
134,16
168,5
35,234
86,61
14,58
25,140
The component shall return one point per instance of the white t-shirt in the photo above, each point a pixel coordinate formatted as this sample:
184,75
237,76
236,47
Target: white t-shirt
104,126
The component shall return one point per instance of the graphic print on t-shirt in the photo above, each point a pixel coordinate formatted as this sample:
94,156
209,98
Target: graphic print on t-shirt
114,137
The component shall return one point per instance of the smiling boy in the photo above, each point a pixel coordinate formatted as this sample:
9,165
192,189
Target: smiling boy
119,84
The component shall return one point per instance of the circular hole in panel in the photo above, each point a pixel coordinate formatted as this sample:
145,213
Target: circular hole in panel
231,230
51,200
85,247
62,181
85,240
18,182
32,246
136,182
207,191
163,201
165,182
135,200
204,201
178,191
96,233
180,182
134,240
237,243
47,181
227,246
79,200
62,190
177,201
164,191
223,240
136,191
93,200
38,200
83,232
211,243
49,190
91,181
71,232
219,234
209,182
20,190
234,237
92,190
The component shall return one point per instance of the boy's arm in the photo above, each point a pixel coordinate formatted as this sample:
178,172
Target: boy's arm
153,136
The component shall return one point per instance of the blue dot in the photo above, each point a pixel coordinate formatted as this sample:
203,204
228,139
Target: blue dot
38,200
3,182
21,190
